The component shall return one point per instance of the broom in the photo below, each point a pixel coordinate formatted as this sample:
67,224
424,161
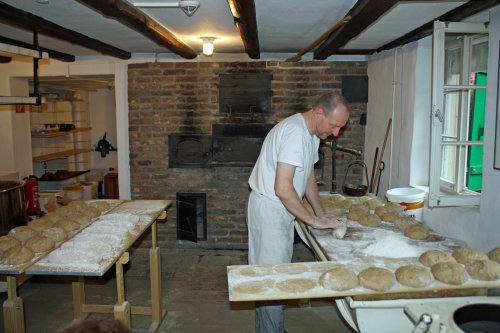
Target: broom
299,55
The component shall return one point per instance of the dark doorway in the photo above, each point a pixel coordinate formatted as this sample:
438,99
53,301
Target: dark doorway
191,216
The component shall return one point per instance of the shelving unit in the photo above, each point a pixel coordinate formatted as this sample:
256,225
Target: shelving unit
54,150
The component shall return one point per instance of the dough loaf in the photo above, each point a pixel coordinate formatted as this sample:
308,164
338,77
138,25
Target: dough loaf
67,225
360,207
376,278
485,270
466,255
449,272
370,220
355,215
432,257
416,231
338,279
413,276
101,205
257,270
381,210
291,268
495,254
8,242
56,234
298,285
390,216
92,212
18,255
40,244
373,203
395,206
22,233
254,287
41,224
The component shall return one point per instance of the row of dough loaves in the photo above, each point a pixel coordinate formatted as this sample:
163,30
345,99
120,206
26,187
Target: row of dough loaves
41,235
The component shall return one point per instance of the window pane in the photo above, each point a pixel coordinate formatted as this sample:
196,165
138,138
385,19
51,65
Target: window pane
453,61
451,114
448,167
479,59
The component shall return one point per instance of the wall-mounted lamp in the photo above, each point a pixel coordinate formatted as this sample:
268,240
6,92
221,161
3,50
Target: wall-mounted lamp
208,45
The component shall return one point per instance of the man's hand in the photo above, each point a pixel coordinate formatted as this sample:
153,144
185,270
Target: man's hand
328,221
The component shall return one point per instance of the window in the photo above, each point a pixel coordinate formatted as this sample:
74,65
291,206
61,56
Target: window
459,70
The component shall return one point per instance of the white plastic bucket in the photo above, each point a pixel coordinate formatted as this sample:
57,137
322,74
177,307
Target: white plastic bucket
411,198
74,192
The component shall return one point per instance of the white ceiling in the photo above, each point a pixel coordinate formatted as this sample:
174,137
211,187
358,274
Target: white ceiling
284,26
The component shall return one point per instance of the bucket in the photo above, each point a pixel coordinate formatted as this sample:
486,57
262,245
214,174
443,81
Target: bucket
89,190
411,198
74,192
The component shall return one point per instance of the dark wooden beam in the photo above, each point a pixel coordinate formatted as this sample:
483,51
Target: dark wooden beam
5,60
458,14
246,21
135,19
363,14
24,20
52,54
354,51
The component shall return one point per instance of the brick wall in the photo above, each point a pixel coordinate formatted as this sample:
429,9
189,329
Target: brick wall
182,98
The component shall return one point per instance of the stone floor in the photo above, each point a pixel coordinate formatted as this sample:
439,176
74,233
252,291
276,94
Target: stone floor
194,288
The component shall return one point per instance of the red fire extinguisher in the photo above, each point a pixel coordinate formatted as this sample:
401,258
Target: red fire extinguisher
31,192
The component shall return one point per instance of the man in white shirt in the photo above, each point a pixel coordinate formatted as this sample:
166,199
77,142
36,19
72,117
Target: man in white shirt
282,175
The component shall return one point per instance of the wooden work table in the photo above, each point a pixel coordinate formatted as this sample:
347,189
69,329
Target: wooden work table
248,282
148,211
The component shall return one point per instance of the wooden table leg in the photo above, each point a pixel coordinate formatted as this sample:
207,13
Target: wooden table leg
122,308
157,312
13,309
78,289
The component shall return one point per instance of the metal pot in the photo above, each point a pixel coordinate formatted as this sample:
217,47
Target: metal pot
12,205
355,189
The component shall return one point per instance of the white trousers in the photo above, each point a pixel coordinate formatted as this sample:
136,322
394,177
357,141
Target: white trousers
270,241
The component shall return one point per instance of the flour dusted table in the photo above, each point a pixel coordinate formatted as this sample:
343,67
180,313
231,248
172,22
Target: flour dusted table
148,211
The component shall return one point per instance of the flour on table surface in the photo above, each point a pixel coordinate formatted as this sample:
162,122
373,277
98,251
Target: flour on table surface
390,244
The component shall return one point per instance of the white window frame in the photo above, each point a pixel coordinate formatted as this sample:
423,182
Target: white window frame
441,193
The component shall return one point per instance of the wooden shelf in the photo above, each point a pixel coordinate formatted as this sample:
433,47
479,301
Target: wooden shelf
61,154
53,134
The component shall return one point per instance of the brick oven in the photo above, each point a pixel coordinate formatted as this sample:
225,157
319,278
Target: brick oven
175,112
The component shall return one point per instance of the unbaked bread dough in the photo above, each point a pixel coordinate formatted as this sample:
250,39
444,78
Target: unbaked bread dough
416,231
67,225
335,210
257,270
298,285
373,203
432,257
359,207
338,279
323,266
390,216
295,268
381,210
18,255
92,212
347,203
395,206
370,220
7,242
22,233
413,276
355,215
40,244
449,272
495,254
80,218
254,287
404,221
339,233
56,234
101,205
54,216
376,278
41,224
485,270
78,205
466,255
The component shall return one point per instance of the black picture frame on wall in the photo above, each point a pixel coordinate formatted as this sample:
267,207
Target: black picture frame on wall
496,153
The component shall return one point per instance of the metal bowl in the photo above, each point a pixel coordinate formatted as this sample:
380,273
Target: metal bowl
355,190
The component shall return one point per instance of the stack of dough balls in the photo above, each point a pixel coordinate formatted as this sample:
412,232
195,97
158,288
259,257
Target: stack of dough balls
41,235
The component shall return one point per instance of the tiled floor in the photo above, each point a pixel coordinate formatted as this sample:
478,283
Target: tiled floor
194,288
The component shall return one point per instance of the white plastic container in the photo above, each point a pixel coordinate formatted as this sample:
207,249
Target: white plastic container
89,190
74,192
411,198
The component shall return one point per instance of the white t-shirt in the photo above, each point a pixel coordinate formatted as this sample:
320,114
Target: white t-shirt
288,142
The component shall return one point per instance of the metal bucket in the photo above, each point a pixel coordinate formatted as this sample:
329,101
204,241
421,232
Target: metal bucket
12,205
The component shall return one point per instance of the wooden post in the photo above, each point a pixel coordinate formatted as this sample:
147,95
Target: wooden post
78,289
122,308
13,309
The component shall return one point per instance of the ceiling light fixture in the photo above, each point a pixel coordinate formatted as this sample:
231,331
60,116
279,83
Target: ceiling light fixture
208,45
187,6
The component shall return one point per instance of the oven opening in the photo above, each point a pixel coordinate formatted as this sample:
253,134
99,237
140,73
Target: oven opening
191,216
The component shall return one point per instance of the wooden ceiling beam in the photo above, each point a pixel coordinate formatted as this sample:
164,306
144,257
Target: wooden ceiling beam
5,60
456,15
24,20
136,20
363,14
245,20
52,54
